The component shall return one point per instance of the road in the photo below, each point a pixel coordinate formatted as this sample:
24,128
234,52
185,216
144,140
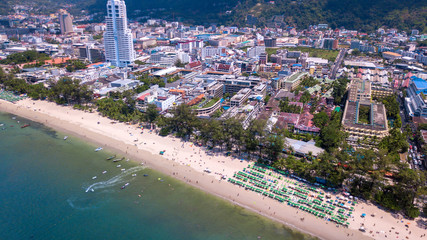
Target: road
407,121
337,63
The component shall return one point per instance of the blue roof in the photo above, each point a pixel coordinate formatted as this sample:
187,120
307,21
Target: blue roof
297,65
420,83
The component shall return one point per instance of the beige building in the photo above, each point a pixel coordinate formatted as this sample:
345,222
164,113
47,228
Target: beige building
65,21
363,131
293,81
360,90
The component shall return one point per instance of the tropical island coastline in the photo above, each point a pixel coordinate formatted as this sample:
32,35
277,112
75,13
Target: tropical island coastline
183,160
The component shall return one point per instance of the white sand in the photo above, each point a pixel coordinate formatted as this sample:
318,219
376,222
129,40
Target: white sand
186,162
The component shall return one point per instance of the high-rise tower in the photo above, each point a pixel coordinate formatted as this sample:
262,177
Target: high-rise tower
118,40
65,21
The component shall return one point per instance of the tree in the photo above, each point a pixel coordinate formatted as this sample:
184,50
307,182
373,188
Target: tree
356,52
151,113
305,98
183,121
330,137
321,119
74,65
339,89
274,146
179,64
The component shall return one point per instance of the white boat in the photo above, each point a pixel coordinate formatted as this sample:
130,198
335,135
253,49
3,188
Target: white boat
1,124
123,187
92,190
104,172
98,149
134,175
119,165
94,177
123,169
65,138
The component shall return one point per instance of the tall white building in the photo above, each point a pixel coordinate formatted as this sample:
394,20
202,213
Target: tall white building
118,40
65,21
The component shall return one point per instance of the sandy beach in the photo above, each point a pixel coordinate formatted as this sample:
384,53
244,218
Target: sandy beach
187,163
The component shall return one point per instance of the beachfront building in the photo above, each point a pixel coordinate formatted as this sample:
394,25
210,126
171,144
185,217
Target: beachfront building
118,42
364,121
165,102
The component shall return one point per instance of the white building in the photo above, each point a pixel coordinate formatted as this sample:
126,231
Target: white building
255,51
165,102
118,40
65,21
212,51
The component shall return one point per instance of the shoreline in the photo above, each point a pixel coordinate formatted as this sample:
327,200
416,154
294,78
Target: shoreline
125,140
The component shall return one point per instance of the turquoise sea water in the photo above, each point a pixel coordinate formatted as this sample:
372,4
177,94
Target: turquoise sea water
45,193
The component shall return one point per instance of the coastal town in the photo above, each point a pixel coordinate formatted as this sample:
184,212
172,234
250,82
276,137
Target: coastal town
324,125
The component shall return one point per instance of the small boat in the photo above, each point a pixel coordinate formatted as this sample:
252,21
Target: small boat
94,177
26,125
104,172
145,175
111,157
1,124
119,159
92,190
13,118
127,160
98,149
119,165
123,169
124,186
65,138
134,175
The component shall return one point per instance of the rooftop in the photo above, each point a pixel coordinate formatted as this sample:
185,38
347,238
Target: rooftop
378,122
419,83
294,77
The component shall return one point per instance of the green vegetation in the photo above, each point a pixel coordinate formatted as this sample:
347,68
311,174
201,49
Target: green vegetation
331,55
364,114
289,108
211,102
179,64
25,57
305,98
65,91
339,90
150,81
74,65
309,81
98,36
362,14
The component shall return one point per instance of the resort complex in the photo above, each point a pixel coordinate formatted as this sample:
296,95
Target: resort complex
319,127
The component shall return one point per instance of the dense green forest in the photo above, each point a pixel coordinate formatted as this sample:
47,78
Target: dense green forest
352,14
360,14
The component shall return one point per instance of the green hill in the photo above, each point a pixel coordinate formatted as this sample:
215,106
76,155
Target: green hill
352,14
365,15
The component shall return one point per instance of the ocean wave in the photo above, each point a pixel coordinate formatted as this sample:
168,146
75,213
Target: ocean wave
116,180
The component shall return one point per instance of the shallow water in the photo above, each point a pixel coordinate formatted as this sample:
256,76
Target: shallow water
47,192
